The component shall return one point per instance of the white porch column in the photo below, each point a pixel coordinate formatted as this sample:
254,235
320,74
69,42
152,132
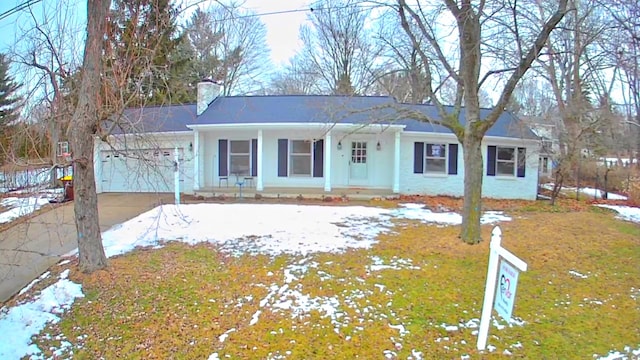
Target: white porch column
196,160
259,183
396,164
327,161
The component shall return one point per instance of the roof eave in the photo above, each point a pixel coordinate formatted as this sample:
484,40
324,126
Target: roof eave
278,126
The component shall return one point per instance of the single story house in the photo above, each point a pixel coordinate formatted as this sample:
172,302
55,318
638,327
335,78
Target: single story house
321,143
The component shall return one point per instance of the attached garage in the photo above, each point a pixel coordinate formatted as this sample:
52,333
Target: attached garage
150,170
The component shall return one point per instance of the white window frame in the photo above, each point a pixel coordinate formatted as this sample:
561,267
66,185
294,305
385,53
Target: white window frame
428,157
504,161
293,155
232,154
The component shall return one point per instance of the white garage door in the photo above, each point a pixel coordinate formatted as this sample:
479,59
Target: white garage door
138,171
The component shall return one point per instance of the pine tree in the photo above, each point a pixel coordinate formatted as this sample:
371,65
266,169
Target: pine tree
140,50
9,100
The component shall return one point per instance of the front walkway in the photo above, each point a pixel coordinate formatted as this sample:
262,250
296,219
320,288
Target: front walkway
29,248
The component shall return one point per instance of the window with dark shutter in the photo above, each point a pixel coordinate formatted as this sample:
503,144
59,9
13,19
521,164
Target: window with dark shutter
522,162
453,159
283,145
223,168
418,158
318,158
254,157
491,160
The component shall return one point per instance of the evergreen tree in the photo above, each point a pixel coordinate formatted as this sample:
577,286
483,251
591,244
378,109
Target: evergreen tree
9,100
142,52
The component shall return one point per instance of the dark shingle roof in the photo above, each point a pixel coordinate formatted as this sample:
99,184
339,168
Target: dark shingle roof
306,109
156,119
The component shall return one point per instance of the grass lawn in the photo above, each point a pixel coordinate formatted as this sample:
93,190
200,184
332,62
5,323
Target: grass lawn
417,293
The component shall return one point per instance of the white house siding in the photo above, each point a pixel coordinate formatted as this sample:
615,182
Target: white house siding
428,184
128,174
379,162
499,187
509,187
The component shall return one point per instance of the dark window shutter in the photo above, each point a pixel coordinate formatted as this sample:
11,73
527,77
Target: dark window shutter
491,160
223,158
418,158
522,161
453,159
318,158
283,145
254,157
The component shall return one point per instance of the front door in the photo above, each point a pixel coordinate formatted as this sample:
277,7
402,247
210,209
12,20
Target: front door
358,163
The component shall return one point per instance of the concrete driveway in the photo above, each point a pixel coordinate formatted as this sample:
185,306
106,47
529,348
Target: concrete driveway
29,248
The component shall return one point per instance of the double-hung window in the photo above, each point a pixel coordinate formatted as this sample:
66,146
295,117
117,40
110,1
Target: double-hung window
505,161
300,158
240,157
436,159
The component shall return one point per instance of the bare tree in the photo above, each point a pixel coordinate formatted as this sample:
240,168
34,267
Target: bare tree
574,66
46,54
625,48
297,78
229,46
84,126
480,28
340,47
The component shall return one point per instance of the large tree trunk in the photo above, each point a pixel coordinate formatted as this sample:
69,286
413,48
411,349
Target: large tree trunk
83,128
472,207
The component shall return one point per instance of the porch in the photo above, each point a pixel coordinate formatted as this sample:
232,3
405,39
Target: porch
353,193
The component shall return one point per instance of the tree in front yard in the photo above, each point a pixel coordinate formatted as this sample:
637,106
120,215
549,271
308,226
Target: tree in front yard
83,128
501,32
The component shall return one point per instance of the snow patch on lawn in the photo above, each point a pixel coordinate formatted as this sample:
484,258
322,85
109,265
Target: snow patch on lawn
625,212
270,229
245,229
20,322
419,212
594,193
20,206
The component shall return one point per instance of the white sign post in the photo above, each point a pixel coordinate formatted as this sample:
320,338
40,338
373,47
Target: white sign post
176,175
508,278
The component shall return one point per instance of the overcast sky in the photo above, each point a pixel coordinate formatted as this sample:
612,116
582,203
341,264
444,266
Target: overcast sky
282,29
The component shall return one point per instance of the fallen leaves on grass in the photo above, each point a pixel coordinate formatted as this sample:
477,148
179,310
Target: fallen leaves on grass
416,294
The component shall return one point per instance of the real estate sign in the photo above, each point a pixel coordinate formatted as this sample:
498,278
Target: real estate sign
506,289
500,289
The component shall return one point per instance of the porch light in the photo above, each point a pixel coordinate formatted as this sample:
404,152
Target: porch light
339,145
191,147
378,146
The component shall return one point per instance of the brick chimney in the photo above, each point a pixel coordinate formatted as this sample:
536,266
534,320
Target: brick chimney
208,91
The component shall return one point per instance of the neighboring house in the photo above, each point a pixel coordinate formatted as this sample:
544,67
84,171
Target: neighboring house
549,147
324,143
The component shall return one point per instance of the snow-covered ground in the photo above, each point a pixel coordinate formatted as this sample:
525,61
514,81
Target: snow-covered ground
274,229
21,206
628,213
591,192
